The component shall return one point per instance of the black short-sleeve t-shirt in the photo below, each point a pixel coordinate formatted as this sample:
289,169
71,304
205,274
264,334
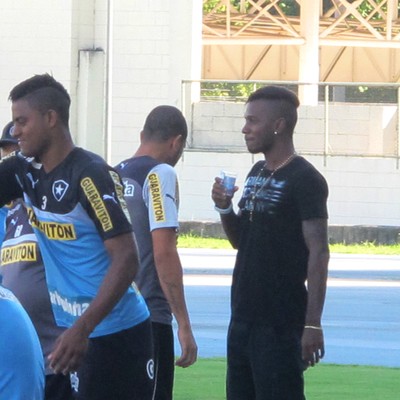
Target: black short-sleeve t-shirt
271,265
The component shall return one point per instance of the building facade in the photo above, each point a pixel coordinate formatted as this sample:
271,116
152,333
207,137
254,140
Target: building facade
119,59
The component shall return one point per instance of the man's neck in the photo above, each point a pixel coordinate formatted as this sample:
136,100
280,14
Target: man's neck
151,150
275,158
55,156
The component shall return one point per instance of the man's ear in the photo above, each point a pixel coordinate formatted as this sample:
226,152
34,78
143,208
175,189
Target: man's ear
280,125
52,117
178,141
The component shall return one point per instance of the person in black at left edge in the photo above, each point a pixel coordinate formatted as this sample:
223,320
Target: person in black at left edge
76,207
7,145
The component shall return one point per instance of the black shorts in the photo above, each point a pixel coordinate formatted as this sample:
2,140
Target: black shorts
164,360
119,366
58,387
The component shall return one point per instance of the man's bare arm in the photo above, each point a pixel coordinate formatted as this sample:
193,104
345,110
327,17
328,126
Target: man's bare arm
316,238
71,346
169,270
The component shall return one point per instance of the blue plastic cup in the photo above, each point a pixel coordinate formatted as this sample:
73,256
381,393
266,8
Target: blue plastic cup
229,180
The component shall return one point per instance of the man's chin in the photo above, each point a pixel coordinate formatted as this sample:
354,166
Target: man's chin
25,153
252,150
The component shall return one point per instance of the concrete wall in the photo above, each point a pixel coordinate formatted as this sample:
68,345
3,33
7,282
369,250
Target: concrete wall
155,46
363,190
48,36
36,37
353,129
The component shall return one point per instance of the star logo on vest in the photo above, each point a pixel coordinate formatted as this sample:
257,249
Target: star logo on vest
59,189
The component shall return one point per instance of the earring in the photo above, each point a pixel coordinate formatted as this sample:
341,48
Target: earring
275,132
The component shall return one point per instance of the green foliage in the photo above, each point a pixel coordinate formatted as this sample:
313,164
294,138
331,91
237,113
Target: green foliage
366,9
213,5
369,94
219,6
225,90
289,7
231,91
239,92
292,7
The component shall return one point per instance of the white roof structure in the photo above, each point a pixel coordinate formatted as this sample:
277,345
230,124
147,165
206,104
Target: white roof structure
322,41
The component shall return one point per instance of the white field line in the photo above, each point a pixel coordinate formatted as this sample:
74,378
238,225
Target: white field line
226,280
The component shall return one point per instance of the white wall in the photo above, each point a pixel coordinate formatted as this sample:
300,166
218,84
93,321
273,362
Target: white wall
46,36
363,190
154,48
35,37
149,48
354,129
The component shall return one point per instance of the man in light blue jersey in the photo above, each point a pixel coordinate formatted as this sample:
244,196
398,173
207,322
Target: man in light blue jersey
25,277
76,207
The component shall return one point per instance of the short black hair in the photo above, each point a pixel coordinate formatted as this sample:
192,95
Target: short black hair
287,102
44,93
164,122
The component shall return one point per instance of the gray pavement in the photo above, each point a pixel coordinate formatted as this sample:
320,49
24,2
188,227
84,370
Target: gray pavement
346,266
361,317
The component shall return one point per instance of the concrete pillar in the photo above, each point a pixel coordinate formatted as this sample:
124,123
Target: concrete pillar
89,56
91,101
309,52
191,65
185,48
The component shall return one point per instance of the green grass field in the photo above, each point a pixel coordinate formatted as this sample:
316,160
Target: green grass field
205,380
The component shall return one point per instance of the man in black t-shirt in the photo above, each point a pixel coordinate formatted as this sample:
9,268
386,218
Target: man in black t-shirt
280,232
